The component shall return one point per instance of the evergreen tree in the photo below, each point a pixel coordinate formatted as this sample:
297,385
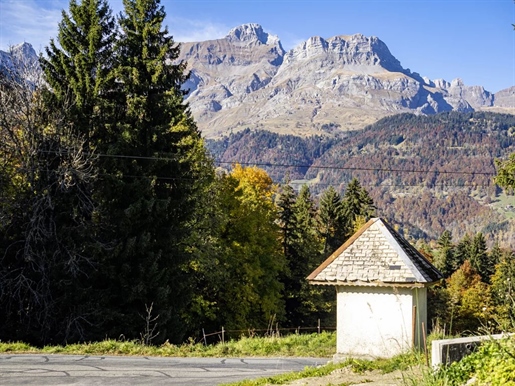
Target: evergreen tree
443,260
285,204
54,232
479,258
304,304
148,196
78,69
313,302
461,252
495,255
358,206
334,229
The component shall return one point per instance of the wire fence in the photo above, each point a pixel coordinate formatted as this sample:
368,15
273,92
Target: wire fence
271,331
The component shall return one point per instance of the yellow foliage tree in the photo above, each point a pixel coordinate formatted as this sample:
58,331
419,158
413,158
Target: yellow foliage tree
254,183
470,300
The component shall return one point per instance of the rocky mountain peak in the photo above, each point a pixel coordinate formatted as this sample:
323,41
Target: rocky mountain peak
251,32
25,54
348,50
24,49
22,58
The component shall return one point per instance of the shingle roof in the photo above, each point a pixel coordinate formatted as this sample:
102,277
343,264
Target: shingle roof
375,254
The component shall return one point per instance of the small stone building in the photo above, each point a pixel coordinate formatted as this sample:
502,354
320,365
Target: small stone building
381,291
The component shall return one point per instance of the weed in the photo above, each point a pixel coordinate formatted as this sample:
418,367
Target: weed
313,345
400,362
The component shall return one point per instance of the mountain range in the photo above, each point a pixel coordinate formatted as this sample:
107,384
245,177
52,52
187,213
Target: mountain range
322,86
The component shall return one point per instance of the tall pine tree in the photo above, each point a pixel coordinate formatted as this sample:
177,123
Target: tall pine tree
332,222
155,169
445,254
79,68
358,206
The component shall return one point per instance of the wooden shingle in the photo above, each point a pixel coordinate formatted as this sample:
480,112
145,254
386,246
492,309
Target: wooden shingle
375,255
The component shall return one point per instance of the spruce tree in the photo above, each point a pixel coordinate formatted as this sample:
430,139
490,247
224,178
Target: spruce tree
53,248
358,206
156,168
334,229
285,202
79,68
313,302
461,252
479,258
443,260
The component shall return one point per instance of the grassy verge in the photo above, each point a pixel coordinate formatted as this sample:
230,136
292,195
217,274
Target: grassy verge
400,362
309,345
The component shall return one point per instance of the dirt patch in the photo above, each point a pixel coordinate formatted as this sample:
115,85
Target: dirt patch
346,377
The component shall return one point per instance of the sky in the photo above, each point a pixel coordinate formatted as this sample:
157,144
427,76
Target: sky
442,39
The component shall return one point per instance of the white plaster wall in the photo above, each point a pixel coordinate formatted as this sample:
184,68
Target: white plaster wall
376,321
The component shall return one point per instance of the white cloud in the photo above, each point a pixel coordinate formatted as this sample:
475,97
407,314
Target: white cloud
29,21
188,30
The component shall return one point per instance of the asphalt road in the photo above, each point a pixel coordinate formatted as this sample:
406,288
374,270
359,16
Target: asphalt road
117,370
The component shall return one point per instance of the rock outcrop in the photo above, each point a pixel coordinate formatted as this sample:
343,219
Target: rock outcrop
23,60
321,86
505,98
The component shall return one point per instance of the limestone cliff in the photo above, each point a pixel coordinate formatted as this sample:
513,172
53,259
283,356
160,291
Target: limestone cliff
319,87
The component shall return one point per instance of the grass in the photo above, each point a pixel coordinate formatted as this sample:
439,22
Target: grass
292,376
401,362
308,345
493,364
501,202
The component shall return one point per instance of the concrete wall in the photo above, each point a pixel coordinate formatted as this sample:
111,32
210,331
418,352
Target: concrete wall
377,321
446,351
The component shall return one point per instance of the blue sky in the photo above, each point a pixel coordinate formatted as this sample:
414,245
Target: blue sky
470,39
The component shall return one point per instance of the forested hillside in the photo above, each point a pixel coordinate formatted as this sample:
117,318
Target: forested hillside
426,173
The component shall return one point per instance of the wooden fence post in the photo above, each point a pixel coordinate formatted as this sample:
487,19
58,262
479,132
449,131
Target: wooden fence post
414,328
204,334
424,336
223,332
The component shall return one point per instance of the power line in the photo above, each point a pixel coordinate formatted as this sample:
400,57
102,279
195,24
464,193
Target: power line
284,165
281,165
311,183
352,168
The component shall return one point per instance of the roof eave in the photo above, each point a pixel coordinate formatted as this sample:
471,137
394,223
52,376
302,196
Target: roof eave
372,283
